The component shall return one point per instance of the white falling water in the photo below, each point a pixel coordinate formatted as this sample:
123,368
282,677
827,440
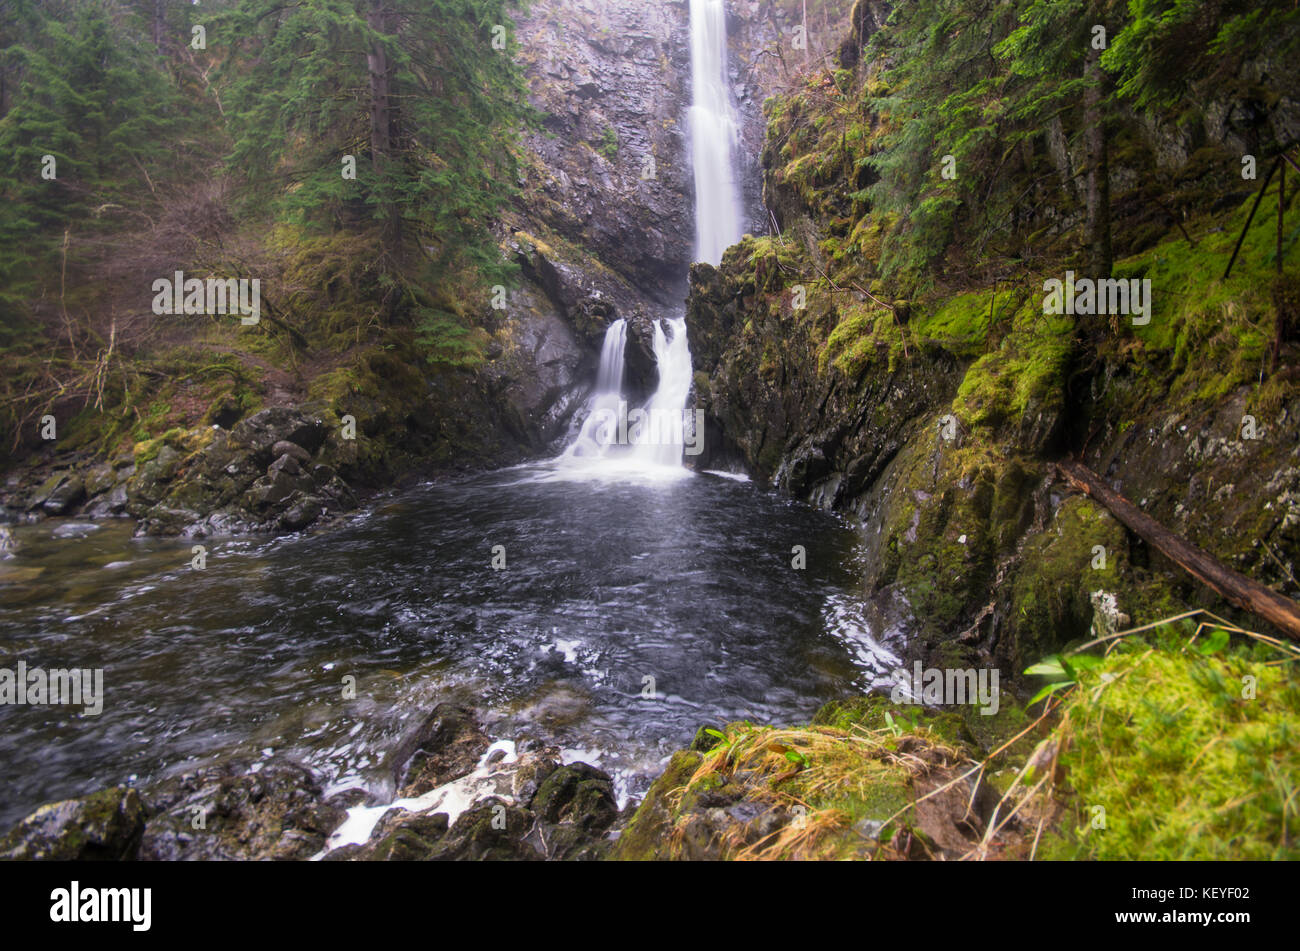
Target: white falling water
596,435
715,134
651,440
645,441
609,379
667,427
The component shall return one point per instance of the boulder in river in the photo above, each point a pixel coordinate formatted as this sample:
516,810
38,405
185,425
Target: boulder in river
445,746
106,826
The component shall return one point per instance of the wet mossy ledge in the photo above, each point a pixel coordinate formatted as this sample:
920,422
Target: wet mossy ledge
843,787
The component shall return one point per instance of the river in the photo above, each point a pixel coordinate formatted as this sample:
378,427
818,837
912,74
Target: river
608,579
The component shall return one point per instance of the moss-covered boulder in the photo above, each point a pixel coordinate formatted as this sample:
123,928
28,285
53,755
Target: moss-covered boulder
104,826
826,792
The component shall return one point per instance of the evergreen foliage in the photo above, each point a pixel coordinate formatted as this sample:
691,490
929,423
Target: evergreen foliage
1000,86
305,94
86,93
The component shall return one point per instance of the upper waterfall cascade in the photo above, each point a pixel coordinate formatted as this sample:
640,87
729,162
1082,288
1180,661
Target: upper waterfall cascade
715,134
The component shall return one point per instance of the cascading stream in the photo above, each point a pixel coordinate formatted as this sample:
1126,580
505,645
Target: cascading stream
665,414
606,583
596,435
609,378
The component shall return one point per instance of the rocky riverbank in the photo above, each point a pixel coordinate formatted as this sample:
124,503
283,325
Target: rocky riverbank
747,792
459,797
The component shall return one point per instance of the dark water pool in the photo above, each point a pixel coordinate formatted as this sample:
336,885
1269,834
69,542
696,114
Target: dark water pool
610,579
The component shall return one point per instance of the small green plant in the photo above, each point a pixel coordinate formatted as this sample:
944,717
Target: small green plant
609,144
1061,671
901,724
728,742
1214,644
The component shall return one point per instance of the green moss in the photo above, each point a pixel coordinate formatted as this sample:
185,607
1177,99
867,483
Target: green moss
1184,763
1215,333
1027,370
946,551
147,450
990,732
1061,567
961,324
646,834
866,334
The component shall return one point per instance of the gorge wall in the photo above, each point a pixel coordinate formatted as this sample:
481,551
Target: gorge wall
935,422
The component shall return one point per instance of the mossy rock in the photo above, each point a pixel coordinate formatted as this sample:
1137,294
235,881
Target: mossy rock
104,826
646,835
1083,550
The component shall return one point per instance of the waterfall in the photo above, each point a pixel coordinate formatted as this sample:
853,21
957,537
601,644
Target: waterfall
654,437
597,434
667,426
609,379
715,134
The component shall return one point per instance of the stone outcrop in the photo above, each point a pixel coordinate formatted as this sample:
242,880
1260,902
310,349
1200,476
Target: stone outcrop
235,811
104,826
610,168
272,471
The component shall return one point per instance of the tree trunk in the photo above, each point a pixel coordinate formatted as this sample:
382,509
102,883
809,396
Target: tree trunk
159,23
1245,593
1098,182
380,66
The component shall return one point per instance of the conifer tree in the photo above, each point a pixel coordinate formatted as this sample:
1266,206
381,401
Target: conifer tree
86,111
424,95
1057,49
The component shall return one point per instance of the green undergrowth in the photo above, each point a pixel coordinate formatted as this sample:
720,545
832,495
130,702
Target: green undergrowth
1174,746
1205,336
177,386
1171,749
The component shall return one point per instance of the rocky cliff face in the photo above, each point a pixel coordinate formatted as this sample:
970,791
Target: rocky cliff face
936,422
606,225
609,168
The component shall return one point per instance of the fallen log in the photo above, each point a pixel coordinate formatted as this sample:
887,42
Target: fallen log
1245,593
